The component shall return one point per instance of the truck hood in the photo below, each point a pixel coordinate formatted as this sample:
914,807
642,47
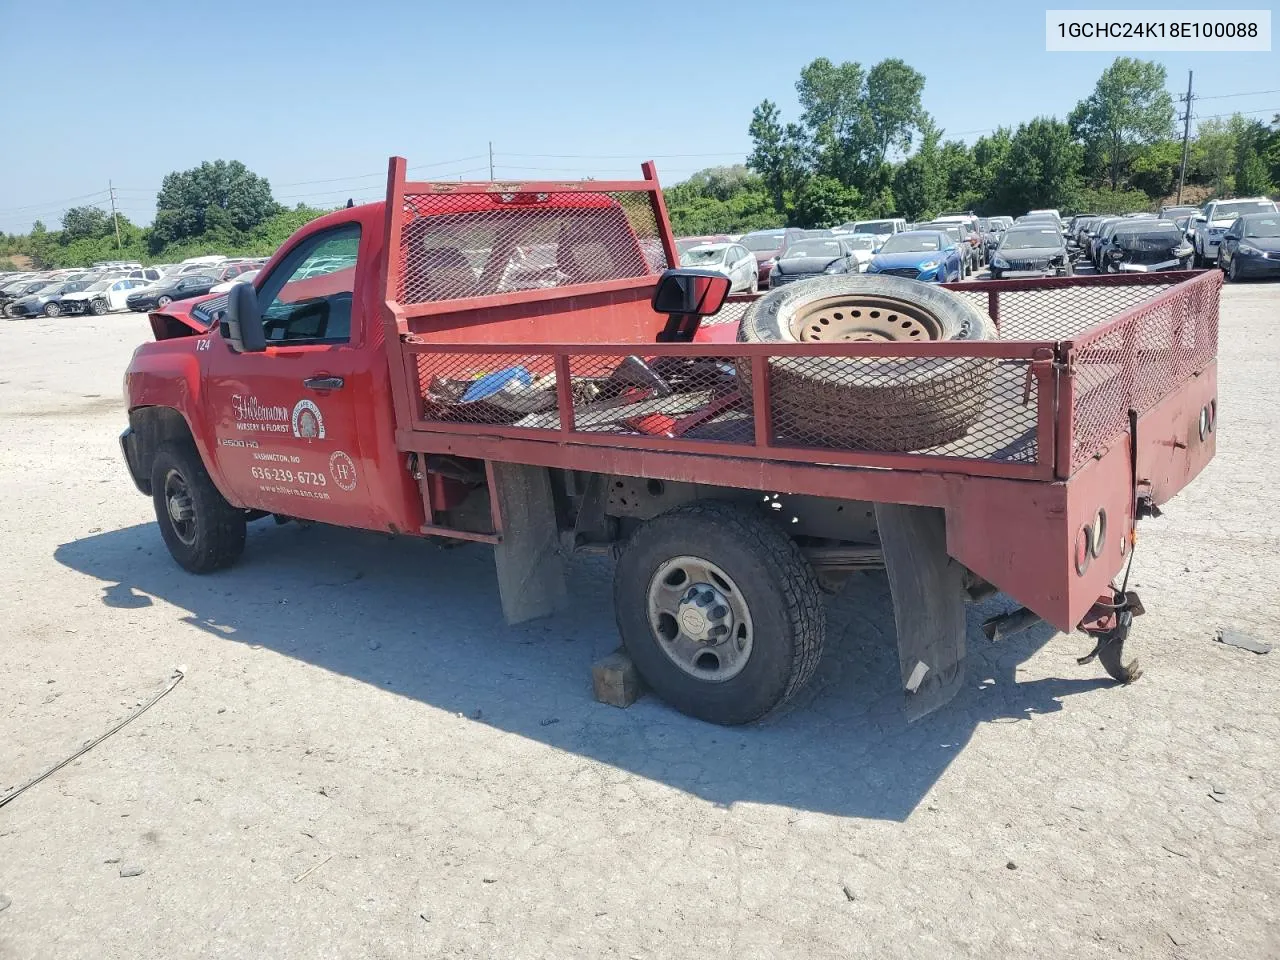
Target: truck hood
912,258
805,264
182,318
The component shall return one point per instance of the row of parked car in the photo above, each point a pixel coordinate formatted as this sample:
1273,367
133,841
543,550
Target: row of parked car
1241,235
114,286
946,249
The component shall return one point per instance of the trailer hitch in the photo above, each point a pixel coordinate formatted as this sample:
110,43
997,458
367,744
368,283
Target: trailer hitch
1108,622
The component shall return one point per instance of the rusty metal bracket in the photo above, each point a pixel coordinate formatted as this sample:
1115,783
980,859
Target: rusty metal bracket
1108,622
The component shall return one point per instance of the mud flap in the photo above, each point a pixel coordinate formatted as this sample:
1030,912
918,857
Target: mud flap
928,604
531,569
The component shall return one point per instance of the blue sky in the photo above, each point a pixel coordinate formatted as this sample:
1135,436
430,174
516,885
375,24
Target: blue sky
322,90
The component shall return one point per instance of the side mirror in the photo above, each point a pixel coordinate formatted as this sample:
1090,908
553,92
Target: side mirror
241,326
690,293
686,296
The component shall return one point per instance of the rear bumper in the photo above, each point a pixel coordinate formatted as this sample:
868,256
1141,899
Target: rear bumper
129,449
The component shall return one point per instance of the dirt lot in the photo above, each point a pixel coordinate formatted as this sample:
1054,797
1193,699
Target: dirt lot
363,761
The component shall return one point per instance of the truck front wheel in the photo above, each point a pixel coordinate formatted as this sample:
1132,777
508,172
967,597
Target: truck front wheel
719,610
202,531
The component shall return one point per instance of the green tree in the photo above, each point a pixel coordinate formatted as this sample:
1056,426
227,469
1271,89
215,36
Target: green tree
1155,168
80,222
1252,139
963,189
893,102
1041,169
1213,155
720,200
1129,108
778,153
825,202
854,118
920,184
186,198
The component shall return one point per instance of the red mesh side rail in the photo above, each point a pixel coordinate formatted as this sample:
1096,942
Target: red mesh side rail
979,407
1137,359
507,242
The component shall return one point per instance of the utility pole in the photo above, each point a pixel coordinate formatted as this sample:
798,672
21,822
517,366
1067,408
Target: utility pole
114,219
490,159
1186,135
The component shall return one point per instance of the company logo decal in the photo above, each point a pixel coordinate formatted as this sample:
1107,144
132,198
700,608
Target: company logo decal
307,422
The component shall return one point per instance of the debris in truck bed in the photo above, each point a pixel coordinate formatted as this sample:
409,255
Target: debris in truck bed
1235,638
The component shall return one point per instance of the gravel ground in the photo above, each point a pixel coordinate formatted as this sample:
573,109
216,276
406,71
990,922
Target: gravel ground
364,761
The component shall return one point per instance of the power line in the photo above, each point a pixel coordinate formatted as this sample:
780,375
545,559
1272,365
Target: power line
1223,96
1214,116
618,156
49,204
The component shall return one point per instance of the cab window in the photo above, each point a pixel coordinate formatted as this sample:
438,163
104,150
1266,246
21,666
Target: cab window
308,297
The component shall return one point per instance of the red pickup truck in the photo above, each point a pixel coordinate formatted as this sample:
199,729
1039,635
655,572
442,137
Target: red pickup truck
514,364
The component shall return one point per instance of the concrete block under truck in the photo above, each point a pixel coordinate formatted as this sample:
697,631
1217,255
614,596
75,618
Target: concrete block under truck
514,364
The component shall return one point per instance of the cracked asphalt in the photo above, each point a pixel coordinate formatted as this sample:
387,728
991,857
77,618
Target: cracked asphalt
362,760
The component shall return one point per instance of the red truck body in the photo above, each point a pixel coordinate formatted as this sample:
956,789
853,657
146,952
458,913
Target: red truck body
1100,404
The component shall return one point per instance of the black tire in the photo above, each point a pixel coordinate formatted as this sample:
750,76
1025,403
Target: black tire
872,404
995,274
213,537
98,307
52,310
164,301
1233,271
773,578
1197,260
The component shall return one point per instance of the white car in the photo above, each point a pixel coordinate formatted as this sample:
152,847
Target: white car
226,285
862,247
732,259
104,296
882,230
1207,228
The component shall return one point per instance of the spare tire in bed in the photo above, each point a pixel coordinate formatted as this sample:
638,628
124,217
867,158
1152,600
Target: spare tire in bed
876,403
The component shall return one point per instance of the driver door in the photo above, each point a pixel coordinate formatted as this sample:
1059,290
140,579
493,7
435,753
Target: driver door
285,420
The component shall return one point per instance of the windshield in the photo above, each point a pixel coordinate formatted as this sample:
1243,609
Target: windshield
1167,234
1027,239
1229,211
1262,227
702,255
814,248
952,230
860,243
762,242
100,285
911,243
874,226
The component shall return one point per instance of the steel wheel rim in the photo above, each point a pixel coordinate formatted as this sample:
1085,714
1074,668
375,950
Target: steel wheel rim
52,310
867,318
180,506
700,618
163,302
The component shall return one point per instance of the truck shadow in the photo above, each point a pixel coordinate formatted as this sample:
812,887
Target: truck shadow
423,621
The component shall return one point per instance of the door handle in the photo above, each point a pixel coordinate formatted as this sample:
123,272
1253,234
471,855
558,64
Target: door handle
323,383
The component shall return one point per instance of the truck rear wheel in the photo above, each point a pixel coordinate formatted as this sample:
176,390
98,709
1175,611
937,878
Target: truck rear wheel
719,610
202,531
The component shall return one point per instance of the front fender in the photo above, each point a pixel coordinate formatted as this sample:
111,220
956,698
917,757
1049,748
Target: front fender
167,376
